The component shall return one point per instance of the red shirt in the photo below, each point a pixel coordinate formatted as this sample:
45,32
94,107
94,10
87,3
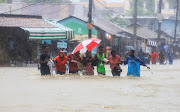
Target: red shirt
60,63
154,57
73,62
114,61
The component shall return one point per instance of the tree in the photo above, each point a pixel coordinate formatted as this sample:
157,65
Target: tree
144,8
2,1
118,20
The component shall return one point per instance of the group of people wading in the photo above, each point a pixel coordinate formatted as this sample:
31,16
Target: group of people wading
163,57
75,63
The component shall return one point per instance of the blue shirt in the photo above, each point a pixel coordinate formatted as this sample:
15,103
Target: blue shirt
134,65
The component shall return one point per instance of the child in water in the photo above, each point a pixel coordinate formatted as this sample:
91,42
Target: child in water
50,63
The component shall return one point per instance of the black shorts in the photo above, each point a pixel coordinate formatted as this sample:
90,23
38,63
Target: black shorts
116,71
45,70
61,73
74,71
99,73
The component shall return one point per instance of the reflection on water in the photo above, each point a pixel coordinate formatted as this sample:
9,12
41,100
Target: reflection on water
23,89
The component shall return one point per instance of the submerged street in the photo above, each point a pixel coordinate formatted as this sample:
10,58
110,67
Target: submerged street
24,90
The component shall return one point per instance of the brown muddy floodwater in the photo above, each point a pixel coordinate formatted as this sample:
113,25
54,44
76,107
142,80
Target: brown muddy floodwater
22,89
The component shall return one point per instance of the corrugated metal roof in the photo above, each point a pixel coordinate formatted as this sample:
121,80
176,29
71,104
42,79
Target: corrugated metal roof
142,32
23,21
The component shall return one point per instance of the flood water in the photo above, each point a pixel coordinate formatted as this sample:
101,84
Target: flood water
22,89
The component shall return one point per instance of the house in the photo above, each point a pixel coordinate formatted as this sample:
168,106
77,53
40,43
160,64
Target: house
146,39
103,29
22,37
104,6
112,35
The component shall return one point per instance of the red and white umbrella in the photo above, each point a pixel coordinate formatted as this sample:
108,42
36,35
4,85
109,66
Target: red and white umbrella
86,45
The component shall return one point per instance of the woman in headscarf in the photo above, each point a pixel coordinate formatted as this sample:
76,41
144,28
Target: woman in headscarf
87,62
60,63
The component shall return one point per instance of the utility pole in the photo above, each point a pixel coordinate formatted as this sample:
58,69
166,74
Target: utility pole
90,18
135,24
175,30
159,23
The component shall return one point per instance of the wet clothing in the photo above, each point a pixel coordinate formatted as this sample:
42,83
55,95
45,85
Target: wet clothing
61,73
50,64
161,58
170,59
73,60
116,71
88,67
74,71
134,65
113,61
141,54
154,57
147,58
60,63
107,53
44,68
100,65
114,65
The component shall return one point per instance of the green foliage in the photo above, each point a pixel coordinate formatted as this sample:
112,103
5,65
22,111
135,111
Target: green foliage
2,1
48,1
119,21
148,10
140,12
108,15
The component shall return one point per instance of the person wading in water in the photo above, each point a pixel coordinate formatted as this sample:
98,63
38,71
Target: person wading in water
100,63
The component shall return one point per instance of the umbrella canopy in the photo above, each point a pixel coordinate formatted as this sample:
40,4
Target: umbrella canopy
86,45
128,48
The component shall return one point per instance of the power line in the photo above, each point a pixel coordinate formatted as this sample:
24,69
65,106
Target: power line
108,8
57,10
44,9
48,7
21,8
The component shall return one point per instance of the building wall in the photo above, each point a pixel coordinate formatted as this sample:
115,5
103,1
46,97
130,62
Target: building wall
167,12
79,27
168,26
15,45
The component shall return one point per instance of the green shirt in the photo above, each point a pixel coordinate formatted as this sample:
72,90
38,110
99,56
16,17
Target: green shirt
100,65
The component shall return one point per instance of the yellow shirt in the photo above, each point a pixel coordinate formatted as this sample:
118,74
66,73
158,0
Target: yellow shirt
107,53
